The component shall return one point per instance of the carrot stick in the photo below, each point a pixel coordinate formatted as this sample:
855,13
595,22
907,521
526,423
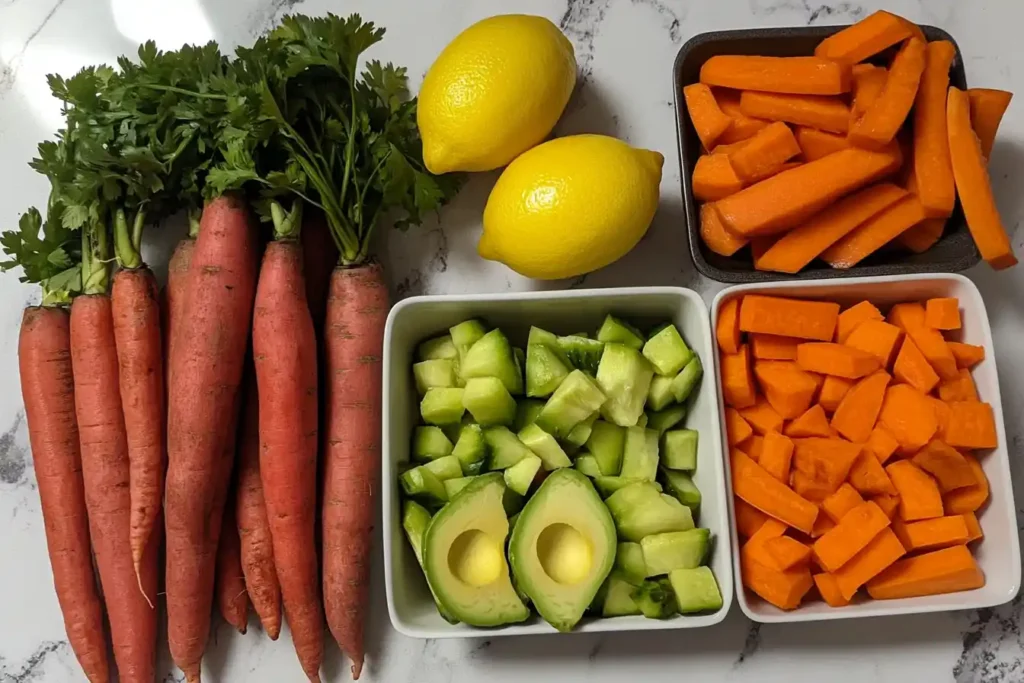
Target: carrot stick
923,236
743,127
914,369
787,553
880,123
256,549
828,358
773,347
206,357
815,320
971,425
801,245
960,389
757,487
727,329
869,36
829,590
906,315
969,498
935,349
797,75
842,501
715,235
736,427
827,113
875,233
708,119
232,598
973,186
861,312
762,155
356,313
815,144
919,494
824,523
106,473
785,590
754,447
851,534
737,378
44,362
788,389
714,178
762,417
942,413
966,355
933,169
748,518
880,553
868,83
857,412
868,476
833,389
974,532
987,109
942,313
942,571
877,338
776,456
947,465
790,197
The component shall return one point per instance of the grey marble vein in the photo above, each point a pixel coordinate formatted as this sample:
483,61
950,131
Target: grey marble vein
669,18
31,668
13,455
263,19
9,72
751,644
812,13
993,650
580,23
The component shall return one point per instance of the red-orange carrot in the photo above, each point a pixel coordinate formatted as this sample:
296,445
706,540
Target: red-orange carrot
882,444
842,501
207,354
935,349
727,327
969,498
356,313
715,235
738,378
105,473
797,75
825,113
828,358
773,347
815,320
875,233
743,127
941,571
762,417
787,388
815,144
851,535
765,153
833,389
880,553
960,389
966,355
923,236
947,465
866,38
914,369
44,361
868,83
987,109
906,315
748,518
919,494
857,412
829,590
971,424
933,169
714,178
232,598
860,312
776,455
880,123
756,486
736,428
173,308
708,119
942,313
824,462
868,477
905,414
878,338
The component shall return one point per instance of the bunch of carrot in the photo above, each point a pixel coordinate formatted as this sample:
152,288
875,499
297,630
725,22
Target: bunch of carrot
852,439
833,157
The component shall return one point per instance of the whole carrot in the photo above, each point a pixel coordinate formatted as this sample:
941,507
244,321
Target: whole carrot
174,290
232,598
357,309
256,548
44,361
284,350
207,352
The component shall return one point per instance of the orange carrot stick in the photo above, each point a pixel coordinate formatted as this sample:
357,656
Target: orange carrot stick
966,355
764,154
715,235
914,369
816,111
851,535
828,358
833,389
942,571
762,417
869,36
880,123
787,553
973,186
942,313
727,329
785,590
868,83
974,532
969,498
947,465
737,378
815,320
748,518
923,236
753,484
796,75
842,501
971,425
743,127
875,233
829,590
935,349
788,389
906,315
933,169
856,415
776,456
863,311
232,598
880,553
815,143
773,347
714,178
707,118
878,338
987,109
736,428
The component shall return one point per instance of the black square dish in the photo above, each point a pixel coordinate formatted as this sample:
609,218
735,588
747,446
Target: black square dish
954,252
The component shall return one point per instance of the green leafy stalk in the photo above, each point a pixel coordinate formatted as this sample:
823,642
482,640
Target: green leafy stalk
95,260
128,243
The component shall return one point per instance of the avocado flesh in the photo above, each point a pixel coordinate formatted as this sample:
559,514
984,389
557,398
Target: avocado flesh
463,556
563,547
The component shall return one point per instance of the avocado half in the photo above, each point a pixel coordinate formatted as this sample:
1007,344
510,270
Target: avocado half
563,547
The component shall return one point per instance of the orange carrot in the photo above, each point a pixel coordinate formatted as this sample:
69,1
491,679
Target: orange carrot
878,338
960,389
356,312
815,143
826,113
880,553
814,320
825,462
906,315
785,590
832,392
836,359
822,525
966,355
232,598
753,484
256,548
973,186
919,494
787,553
727,328
797,75
882,444
738,379
715,235
905,414
875,233
791,197
853,316
879,124
987,109
935,349
174,295
776,455
773,347
972,424
932,167
105,474
890,505
755,547
736,427
743,127
762,417
206,357
868,83
754,447
868,476
970,498
929,534
851,535
942,571
858,411
813,422
974,532
762,155
748,518
829,590
707,118
869,36
44,361
714,178
942,313
842,501
788,389
914,369
923,236
942,414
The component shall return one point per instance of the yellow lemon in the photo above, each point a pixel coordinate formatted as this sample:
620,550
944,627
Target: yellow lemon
570,206
494,92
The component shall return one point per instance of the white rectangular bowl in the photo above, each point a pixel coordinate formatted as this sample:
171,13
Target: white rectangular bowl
998,554
411,321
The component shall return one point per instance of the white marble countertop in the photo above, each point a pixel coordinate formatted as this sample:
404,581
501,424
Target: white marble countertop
625,50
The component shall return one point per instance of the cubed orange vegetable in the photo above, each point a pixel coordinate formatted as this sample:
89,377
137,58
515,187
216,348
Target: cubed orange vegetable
868,476
777,455
833,389
727,329
738,378
762,417
829,590
914,369
814,320
882,444
969,498
966,355
878,338
929,534
851,535
748,518
961,388
773,347
842,501
736,427
974,532
972,424
941,571
814,422
788,389
905,414
859,410
942,313
919,494
853,316
880,553
836,359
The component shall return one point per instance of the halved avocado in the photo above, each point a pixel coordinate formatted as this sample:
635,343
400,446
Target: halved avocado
563,547
464,558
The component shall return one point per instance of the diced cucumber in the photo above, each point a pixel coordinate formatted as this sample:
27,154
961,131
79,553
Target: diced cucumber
438,348
682,487
606,486
581,432
660,394
583,354
687,379
587,465
629,559
442,406
575,400
423,485
433,373
679,449
642,422
429,443
466,333
447,467
544,371
640,454
640,510
696,590
606,443
667,351
521,475
506,448
471,449
544,446
615,331
488,401
625,377
492,356
545,338
675,550
415,520
453,486
618,600
527,410
655,599
663,420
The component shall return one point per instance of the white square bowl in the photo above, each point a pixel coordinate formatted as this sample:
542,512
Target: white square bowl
411,321
998,554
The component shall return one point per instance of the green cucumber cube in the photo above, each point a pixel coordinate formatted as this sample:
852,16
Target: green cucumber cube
586,464
679,449
675,550
618,600
492,356
470,448
506,448
467,333
660,394
606,443
606,486
640,454
696,590
544,446
544,371
655,599
583,353
438,348
429,443
442,406
629,559
527,410
581,432
447,467
615,331
488,401
433,373
520,476
667,351
575,400
640,510
423,485
687,379
453,486
681,486
663,420
625,377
